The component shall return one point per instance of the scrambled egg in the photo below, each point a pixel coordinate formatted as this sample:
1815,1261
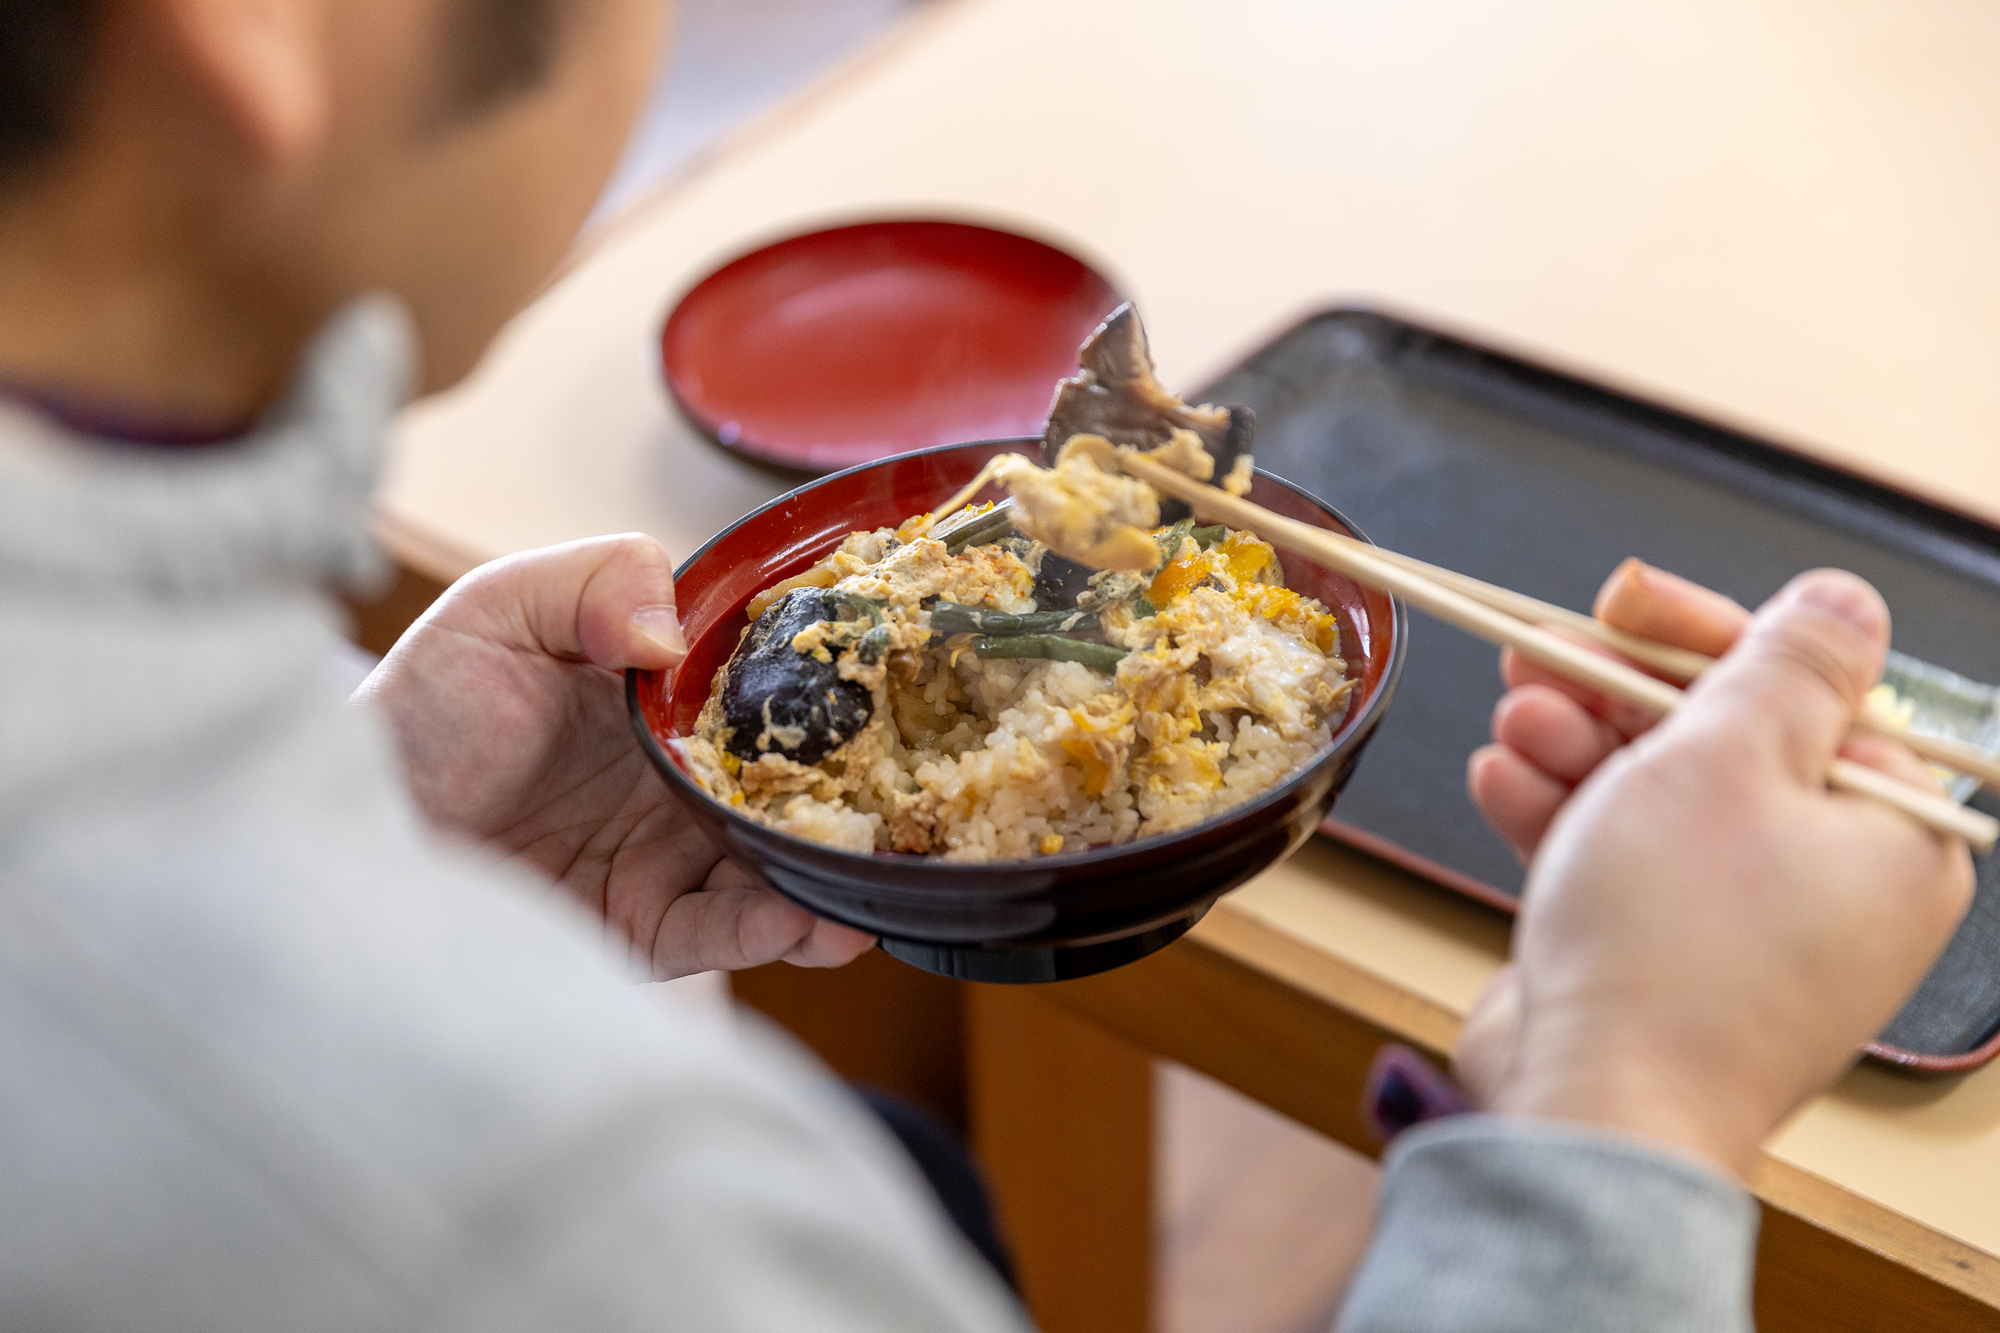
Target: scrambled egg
1084,506
1225,637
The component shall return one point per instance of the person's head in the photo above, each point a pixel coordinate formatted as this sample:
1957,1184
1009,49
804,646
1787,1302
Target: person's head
230,171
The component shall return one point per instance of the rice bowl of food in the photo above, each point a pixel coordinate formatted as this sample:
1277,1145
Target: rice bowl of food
1027,736
998,904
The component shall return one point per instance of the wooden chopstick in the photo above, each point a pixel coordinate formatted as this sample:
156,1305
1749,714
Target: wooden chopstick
1678,663
1615,679
1681,664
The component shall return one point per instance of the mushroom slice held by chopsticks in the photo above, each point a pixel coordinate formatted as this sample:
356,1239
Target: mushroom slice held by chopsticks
1119,397
1082,506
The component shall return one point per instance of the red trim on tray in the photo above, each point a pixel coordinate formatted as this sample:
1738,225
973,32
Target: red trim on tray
1934,1064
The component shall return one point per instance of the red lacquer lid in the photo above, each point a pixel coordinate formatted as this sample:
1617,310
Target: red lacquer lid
843,346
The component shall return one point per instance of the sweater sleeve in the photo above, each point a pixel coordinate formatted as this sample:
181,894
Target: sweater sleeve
763,1200
1497,1225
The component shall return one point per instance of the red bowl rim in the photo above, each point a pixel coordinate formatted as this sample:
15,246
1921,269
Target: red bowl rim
1359,722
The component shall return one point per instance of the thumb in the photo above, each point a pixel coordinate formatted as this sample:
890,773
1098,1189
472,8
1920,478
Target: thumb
607,600
626,616
1796,678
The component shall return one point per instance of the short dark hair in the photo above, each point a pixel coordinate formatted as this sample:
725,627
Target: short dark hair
44,55
496,48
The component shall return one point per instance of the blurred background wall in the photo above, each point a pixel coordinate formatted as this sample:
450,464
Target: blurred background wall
729,61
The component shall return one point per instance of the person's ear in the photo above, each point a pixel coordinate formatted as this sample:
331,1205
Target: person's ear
262,61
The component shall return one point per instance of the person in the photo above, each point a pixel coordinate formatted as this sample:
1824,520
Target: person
323,1014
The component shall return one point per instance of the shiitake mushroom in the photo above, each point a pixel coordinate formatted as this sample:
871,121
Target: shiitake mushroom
774,694
1119,397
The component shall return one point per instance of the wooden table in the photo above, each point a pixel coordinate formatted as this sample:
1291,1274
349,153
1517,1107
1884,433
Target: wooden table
1783,214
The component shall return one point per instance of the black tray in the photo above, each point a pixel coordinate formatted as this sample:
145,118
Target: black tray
1508,471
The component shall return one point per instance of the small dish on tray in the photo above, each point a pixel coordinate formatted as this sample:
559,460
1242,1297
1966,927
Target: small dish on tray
838,347
1932,701
1044,919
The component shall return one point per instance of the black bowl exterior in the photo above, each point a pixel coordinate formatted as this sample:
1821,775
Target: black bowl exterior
1031,966
1054,916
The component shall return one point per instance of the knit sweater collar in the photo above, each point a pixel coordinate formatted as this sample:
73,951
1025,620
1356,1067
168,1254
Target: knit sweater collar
284,506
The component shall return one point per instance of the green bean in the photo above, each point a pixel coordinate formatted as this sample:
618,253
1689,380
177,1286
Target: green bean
960,530
951,618
1210,536
1097,656
1170,540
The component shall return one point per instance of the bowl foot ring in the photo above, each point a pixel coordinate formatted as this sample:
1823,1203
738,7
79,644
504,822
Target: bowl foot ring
1021,967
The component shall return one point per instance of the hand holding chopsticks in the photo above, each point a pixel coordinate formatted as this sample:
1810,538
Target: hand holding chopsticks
1504,617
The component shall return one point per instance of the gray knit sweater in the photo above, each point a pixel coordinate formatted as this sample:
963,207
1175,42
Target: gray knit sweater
273,1058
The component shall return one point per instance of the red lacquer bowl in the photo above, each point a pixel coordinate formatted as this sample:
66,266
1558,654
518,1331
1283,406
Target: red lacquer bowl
839,347
1044,919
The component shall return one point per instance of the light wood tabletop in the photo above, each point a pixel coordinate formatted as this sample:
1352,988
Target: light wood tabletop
1781,214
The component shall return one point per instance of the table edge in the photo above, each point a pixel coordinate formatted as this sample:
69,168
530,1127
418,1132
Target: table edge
1255,944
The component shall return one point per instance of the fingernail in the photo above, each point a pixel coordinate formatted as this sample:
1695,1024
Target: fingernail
1645,575
662,625
1848,598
